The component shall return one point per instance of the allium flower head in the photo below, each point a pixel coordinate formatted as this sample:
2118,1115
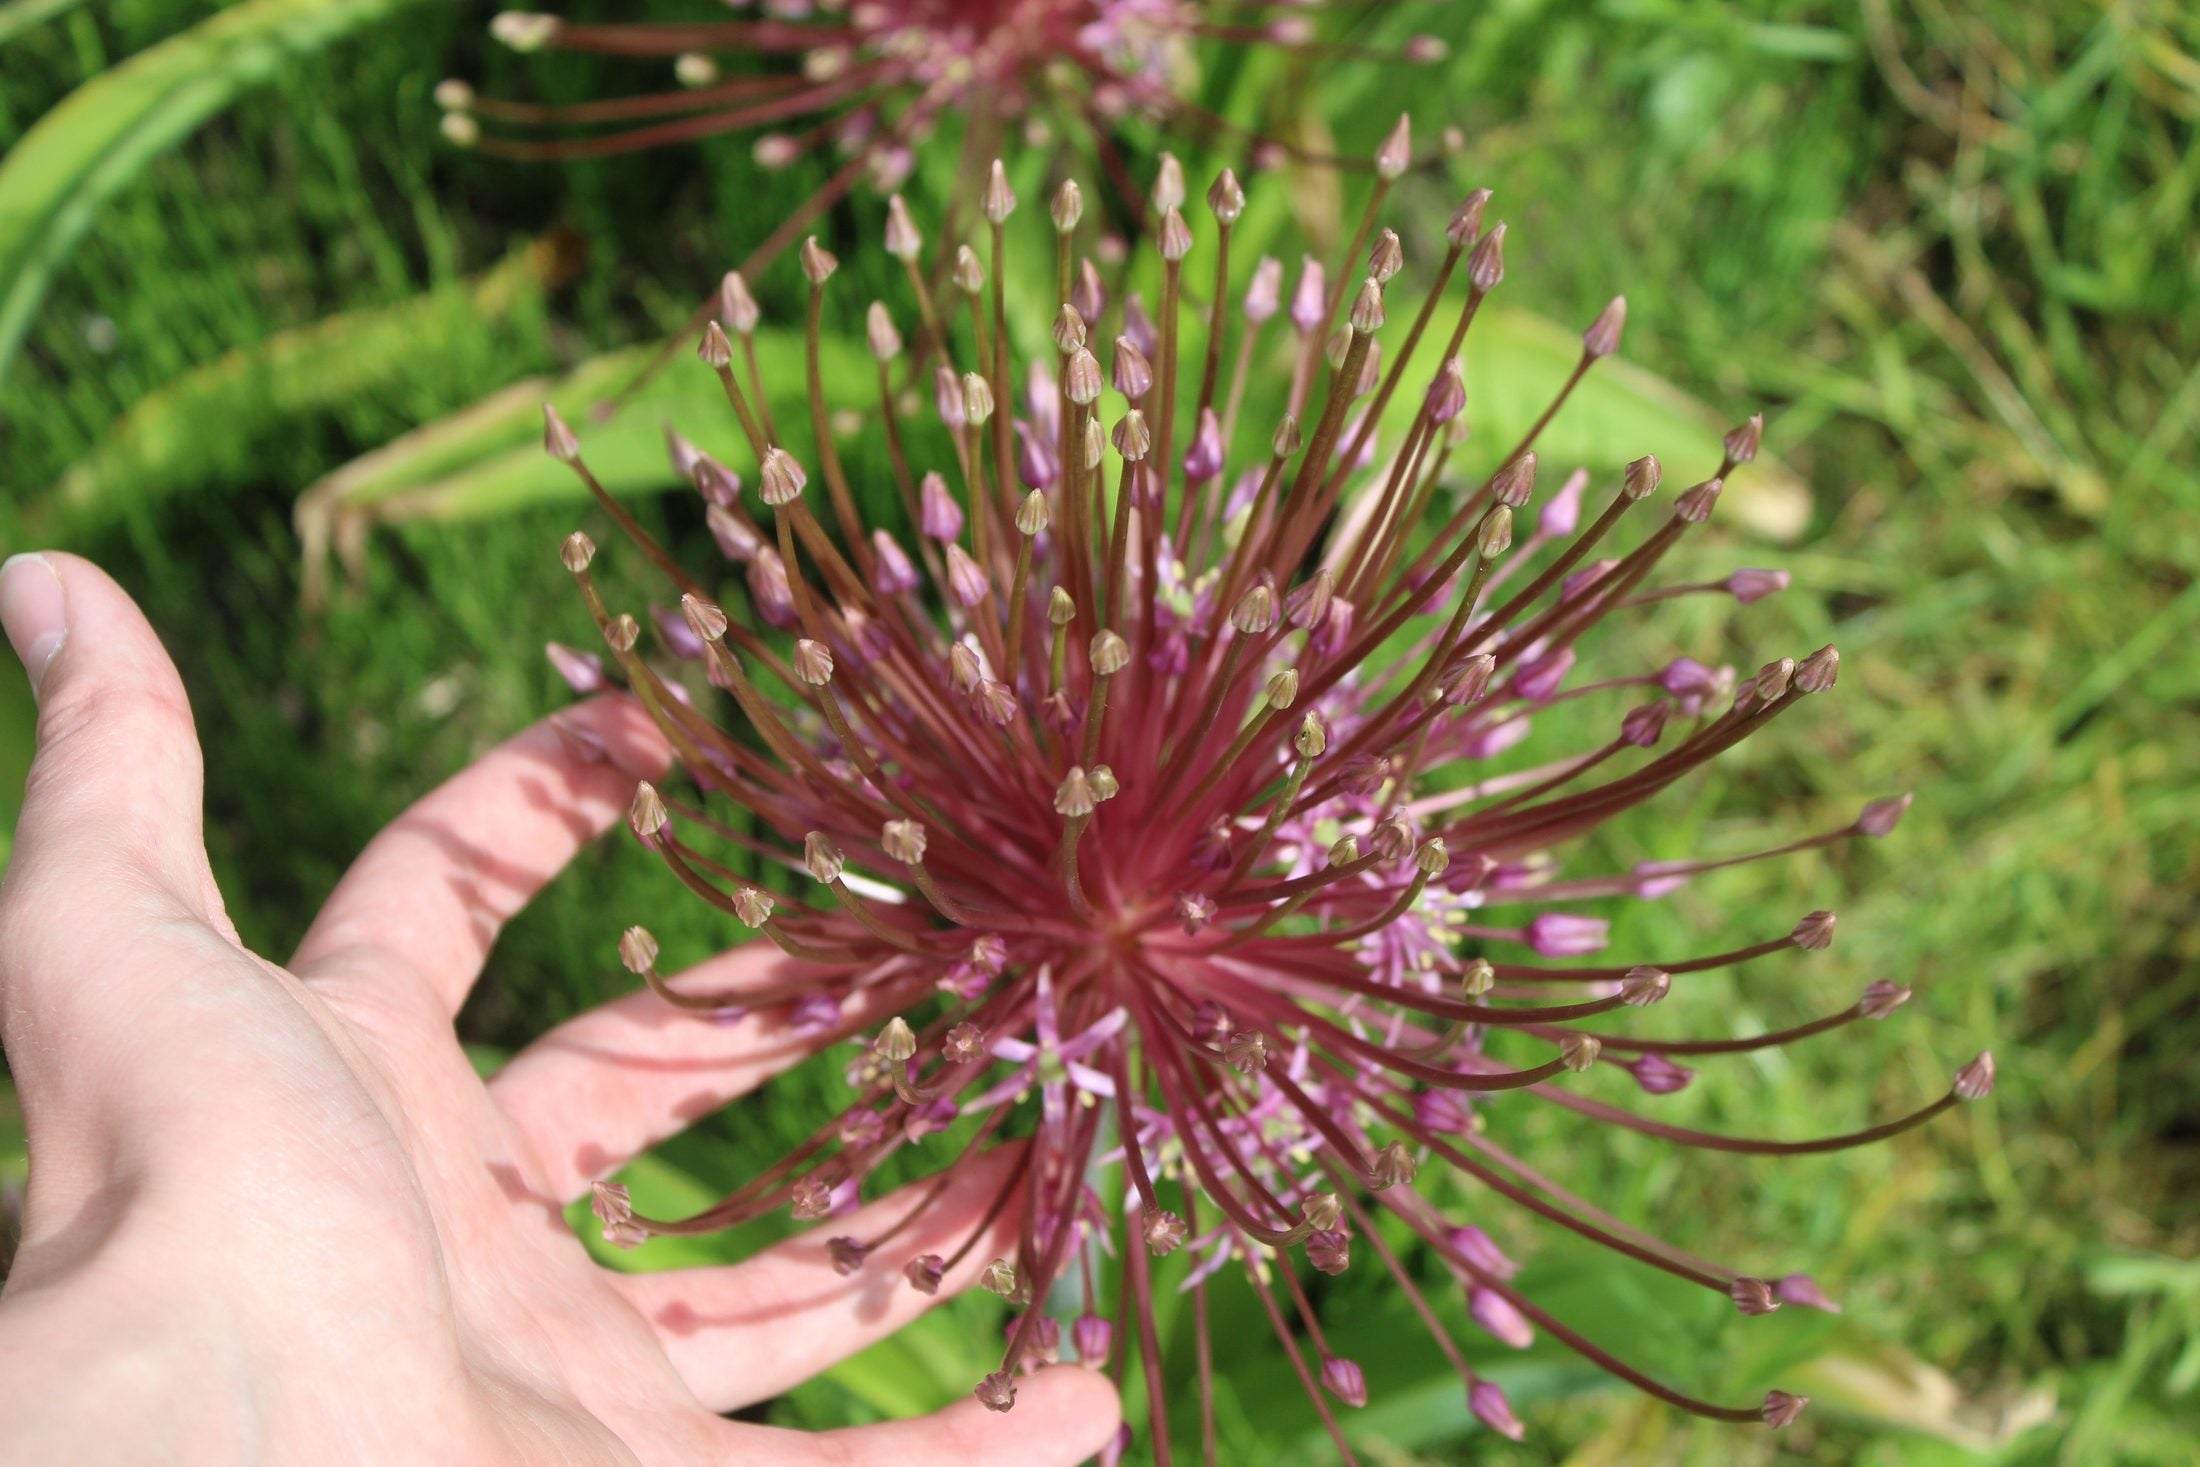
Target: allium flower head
872,79
1110,794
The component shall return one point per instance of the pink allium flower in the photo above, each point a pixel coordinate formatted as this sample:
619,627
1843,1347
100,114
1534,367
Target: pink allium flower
1208,916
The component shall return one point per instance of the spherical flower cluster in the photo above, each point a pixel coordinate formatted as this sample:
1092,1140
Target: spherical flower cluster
1157,795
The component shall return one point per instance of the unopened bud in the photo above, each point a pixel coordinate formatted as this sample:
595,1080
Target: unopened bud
736,306
1109,654
781,479
1176,237
1387,258
902,240
998,200
1814,933
1741,443
1168,185
1033,515
1880,817
1133,440
903,840
1225,198
1477,978
818,263
1070,331
1579,1051
896,1043
714,350
704,618
1495,537
1486,266
1073,796
578,552
1644,986
977,394
637,950
1000,1277
1367,308
1432,857
1975,1081
1255,611
1466,220
1396,154
1752,1296
1282,689
1311,739
879,327
1695,506
1068,206
1817,672
1641,480
557,438
753,905
1602,337
813,662
647,816
1881,998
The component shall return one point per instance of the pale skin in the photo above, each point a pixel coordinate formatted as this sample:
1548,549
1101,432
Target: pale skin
273,1214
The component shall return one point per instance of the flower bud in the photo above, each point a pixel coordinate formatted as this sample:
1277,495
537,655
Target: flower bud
1579,1051
813,662
1226,198
736,306
1975,1081
578,552
781,480
903,840
998,201
822,857
1176,237
1486,266
1644,985
818,263
1168,185
637,950
902,240
884,338
1311,739
1602,337
557,438
1642,477
1396,154
1067,207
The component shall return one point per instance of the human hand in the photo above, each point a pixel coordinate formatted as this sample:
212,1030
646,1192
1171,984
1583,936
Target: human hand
273,1213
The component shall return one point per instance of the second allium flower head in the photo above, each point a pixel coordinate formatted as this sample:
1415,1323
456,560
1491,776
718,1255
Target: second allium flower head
1109,798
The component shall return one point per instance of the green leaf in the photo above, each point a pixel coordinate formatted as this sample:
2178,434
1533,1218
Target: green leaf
19,16
1515,362
161,445
53,182
488,459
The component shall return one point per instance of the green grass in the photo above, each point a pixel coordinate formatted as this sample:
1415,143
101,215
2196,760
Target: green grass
1948,245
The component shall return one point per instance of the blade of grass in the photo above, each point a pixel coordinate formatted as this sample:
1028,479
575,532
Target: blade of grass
53,182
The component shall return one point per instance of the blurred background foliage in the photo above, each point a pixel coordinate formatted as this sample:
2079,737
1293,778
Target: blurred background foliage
1948,244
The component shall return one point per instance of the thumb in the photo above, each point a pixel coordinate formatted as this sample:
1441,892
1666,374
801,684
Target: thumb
110,824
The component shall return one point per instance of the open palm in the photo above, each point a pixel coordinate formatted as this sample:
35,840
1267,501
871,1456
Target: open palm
272,1211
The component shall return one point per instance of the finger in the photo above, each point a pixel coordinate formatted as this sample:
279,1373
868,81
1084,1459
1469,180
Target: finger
607,1085
111,803
427,897
1063,1415
742,1332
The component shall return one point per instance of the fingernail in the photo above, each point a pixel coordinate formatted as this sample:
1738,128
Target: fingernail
34,612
